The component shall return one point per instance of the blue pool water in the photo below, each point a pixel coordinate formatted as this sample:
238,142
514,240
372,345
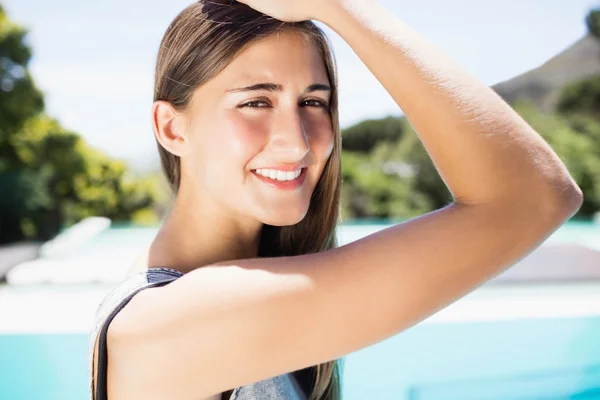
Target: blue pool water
572,232
521,359
43,367
512,360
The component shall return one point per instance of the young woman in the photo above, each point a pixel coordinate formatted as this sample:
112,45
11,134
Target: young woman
243,294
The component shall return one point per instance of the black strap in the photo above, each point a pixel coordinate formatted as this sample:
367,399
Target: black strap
102,360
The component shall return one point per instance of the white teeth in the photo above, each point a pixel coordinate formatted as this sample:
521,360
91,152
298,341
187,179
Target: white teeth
279,175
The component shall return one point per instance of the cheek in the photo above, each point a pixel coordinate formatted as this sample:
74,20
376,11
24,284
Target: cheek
233,141
321,138
243,136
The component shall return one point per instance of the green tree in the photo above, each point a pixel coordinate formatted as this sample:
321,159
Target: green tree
398,178
374,188
394,179
427,181
19,98
49,176
79,180
365,135
581,97
592,22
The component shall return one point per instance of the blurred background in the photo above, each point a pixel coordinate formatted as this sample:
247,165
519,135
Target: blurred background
81,193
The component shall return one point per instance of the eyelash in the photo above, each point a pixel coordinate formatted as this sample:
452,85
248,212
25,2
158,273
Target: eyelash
247,105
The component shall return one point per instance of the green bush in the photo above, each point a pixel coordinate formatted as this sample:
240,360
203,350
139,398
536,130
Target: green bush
397,178
365,135
49,176
582,97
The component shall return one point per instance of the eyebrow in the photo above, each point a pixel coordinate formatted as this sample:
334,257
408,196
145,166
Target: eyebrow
273,87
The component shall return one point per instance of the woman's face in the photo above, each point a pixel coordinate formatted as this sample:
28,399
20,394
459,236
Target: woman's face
260,132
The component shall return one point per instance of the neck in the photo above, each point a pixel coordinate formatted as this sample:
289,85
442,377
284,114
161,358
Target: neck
199,232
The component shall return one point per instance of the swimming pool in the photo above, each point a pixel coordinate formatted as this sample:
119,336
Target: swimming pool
526,359
509,342
108,255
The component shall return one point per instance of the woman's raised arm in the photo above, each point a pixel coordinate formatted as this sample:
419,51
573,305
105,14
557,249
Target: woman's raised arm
483,149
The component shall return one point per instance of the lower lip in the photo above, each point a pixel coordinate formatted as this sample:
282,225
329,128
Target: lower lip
284,185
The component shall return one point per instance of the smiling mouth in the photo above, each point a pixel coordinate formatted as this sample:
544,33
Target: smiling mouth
281,179
278,174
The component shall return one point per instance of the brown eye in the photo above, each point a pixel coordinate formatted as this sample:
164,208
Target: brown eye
254,104
315,103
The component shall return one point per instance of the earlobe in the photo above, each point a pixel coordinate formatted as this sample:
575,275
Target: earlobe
168,125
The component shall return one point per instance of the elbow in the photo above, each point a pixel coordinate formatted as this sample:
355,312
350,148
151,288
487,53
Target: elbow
572,199
563,201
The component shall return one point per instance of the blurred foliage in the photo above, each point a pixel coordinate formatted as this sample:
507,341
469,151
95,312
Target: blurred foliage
397,179
581,97
393,179
592,22
19,98
49,176
365,135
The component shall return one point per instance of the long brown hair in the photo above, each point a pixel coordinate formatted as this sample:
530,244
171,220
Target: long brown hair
199,43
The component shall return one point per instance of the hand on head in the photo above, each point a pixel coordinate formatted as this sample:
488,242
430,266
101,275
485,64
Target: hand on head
287,10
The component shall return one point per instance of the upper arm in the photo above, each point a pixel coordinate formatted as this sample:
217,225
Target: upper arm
224,326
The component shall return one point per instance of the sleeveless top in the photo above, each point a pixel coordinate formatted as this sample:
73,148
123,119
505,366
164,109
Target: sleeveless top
283,387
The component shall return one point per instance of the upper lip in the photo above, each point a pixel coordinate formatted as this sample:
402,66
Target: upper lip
286,168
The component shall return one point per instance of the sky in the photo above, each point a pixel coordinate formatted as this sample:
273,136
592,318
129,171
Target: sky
94,59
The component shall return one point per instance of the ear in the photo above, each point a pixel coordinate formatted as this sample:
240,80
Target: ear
168,127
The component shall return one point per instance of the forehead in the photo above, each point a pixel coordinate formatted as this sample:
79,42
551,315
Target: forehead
283,58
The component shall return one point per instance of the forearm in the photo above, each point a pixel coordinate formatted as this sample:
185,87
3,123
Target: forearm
482,148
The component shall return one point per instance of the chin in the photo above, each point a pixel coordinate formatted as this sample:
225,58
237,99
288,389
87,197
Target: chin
287,218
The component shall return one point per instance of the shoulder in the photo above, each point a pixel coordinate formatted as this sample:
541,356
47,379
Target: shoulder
113,302
125,290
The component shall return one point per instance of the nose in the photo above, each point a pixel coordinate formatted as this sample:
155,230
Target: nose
289,140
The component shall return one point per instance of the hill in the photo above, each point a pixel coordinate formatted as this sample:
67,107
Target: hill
543,84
